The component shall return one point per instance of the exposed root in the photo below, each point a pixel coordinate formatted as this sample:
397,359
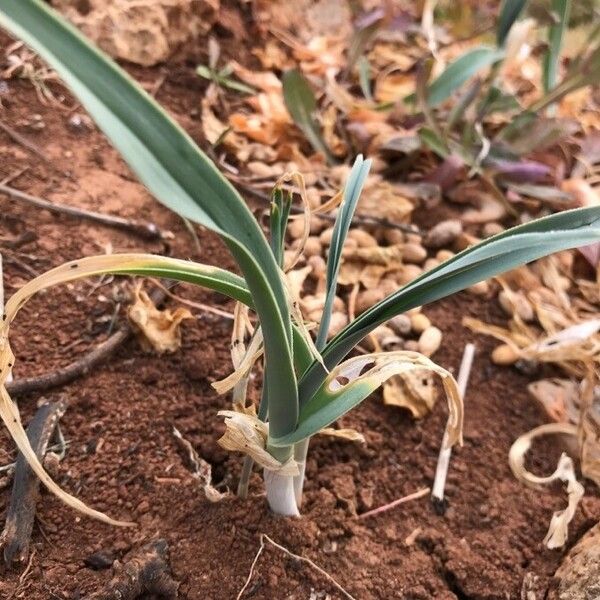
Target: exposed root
265,538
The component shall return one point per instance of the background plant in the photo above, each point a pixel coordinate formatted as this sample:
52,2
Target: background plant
304,390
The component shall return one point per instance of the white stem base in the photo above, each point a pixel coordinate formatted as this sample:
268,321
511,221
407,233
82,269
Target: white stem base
281,494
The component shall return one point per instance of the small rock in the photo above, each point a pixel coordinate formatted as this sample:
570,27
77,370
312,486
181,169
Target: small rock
102,559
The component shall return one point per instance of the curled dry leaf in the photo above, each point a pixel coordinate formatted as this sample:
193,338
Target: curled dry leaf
242,369
156,329
565,472
246,433
200,468
414,390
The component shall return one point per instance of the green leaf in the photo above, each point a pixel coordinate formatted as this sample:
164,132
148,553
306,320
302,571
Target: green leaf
352,190
174,169
562,10
433,141
509,13
301,104
355,379
460,71
490,257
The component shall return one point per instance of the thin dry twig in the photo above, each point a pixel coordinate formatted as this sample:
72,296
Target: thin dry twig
441,471
263,537
148,231
79,367
23,141
414,496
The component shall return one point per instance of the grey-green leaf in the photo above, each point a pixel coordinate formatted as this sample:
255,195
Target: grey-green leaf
174,169
509,13
460,71
510,249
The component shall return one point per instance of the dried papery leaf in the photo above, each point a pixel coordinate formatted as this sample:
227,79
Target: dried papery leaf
371,276
296,279
388,256
201,469
414,390
571,347
156,329
558,397
247,434
293,300
384,200
297,180
565,472
241,326
350,273
250,356
345,434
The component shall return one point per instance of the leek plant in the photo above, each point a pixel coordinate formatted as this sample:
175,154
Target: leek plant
307,386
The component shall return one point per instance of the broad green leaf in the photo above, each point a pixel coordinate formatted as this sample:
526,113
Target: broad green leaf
460,71
498,254
509,13
352,190
355,379
174,169
301,104
561,10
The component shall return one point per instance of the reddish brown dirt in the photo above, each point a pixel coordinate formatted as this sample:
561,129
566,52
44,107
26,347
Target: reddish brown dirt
123,459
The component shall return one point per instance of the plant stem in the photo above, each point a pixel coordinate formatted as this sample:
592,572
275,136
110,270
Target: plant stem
281,494
441,471
300,453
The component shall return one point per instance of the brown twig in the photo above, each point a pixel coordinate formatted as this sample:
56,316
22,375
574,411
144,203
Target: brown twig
23,141
72,371
147,231
146,572
25,492
414,496
79,367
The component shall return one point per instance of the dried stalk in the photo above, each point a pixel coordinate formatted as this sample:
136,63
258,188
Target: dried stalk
441,471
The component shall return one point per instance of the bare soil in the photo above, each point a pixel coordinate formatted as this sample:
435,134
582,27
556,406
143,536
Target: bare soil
123,458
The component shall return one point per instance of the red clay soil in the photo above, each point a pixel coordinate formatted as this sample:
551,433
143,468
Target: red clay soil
123,458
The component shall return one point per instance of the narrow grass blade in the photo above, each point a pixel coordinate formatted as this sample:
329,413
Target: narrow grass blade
301,103
459,72
352,190
562,10
509,13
